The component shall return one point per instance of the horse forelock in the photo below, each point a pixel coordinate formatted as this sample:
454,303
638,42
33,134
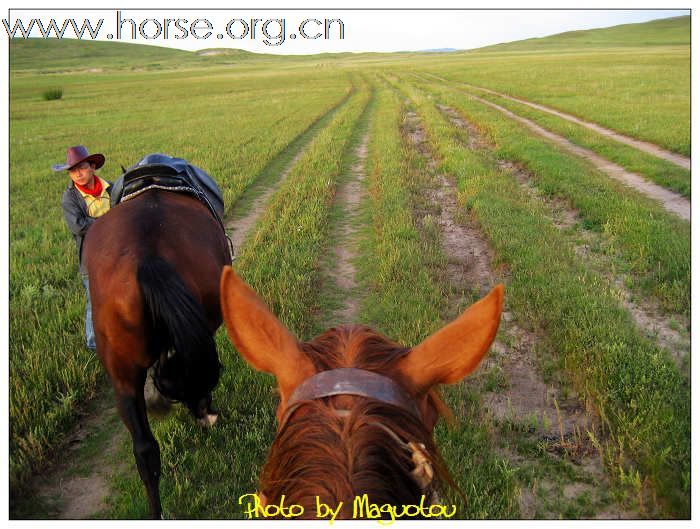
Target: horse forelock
338,457
353,346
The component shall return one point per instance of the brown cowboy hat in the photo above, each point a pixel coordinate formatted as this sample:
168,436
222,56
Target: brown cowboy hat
79,154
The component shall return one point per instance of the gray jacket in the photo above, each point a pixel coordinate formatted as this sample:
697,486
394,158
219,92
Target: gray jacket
75,212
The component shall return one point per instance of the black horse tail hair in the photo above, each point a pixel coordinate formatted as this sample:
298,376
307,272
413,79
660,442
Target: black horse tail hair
177,325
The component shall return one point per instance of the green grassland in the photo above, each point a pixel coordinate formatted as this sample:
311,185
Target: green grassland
597,340
48,365
240,115
658,170
643,95
634,79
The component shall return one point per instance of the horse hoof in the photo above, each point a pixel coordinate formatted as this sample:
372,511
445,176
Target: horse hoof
208,420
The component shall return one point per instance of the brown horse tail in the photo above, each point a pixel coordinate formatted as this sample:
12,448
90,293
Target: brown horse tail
189,368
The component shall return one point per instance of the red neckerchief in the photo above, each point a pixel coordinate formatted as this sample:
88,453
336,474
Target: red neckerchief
96,190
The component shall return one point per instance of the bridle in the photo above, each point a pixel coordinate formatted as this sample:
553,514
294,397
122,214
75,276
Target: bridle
363,383
349,381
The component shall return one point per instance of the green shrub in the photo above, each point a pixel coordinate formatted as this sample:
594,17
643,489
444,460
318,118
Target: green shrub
53,93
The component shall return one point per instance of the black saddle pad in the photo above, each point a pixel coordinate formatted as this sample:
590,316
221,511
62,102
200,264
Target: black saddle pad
159,171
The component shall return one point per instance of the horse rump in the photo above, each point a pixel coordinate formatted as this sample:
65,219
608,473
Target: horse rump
188,367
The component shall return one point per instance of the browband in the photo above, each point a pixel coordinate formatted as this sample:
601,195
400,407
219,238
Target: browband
349,381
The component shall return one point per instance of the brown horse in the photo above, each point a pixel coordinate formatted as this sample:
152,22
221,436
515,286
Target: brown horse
356,411
154,264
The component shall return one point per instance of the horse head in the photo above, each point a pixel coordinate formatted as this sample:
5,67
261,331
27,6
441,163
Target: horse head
357,410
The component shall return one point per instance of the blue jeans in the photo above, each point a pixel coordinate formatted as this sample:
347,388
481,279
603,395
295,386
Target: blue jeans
89,329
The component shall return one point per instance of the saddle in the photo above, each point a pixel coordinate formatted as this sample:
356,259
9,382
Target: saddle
159,171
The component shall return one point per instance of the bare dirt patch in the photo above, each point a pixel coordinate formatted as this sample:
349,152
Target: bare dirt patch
666,330
475,139
77,486
468,252
529,401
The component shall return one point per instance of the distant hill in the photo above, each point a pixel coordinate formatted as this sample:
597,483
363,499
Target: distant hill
666,31
439,50
53,55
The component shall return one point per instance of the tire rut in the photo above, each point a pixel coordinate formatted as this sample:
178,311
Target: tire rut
349,196
644,146
555,416
76,485
669,200
650,319
239,229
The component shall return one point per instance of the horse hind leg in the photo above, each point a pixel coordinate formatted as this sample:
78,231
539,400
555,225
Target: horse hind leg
132,409
201,406
192,372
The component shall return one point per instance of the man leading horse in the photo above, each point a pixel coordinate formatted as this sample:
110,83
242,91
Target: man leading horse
86,198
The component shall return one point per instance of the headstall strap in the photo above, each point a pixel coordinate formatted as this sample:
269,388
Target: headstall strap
350,381
363,383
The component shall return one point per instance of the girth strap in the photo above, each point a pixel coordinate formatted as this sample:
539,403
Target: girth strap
350,381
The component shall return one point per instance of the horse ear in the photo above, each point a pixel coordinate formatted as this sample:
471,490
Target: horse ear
263,341
450,354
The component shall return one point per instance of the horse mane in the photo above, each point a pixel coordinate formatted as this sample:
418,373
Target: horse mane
338,458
